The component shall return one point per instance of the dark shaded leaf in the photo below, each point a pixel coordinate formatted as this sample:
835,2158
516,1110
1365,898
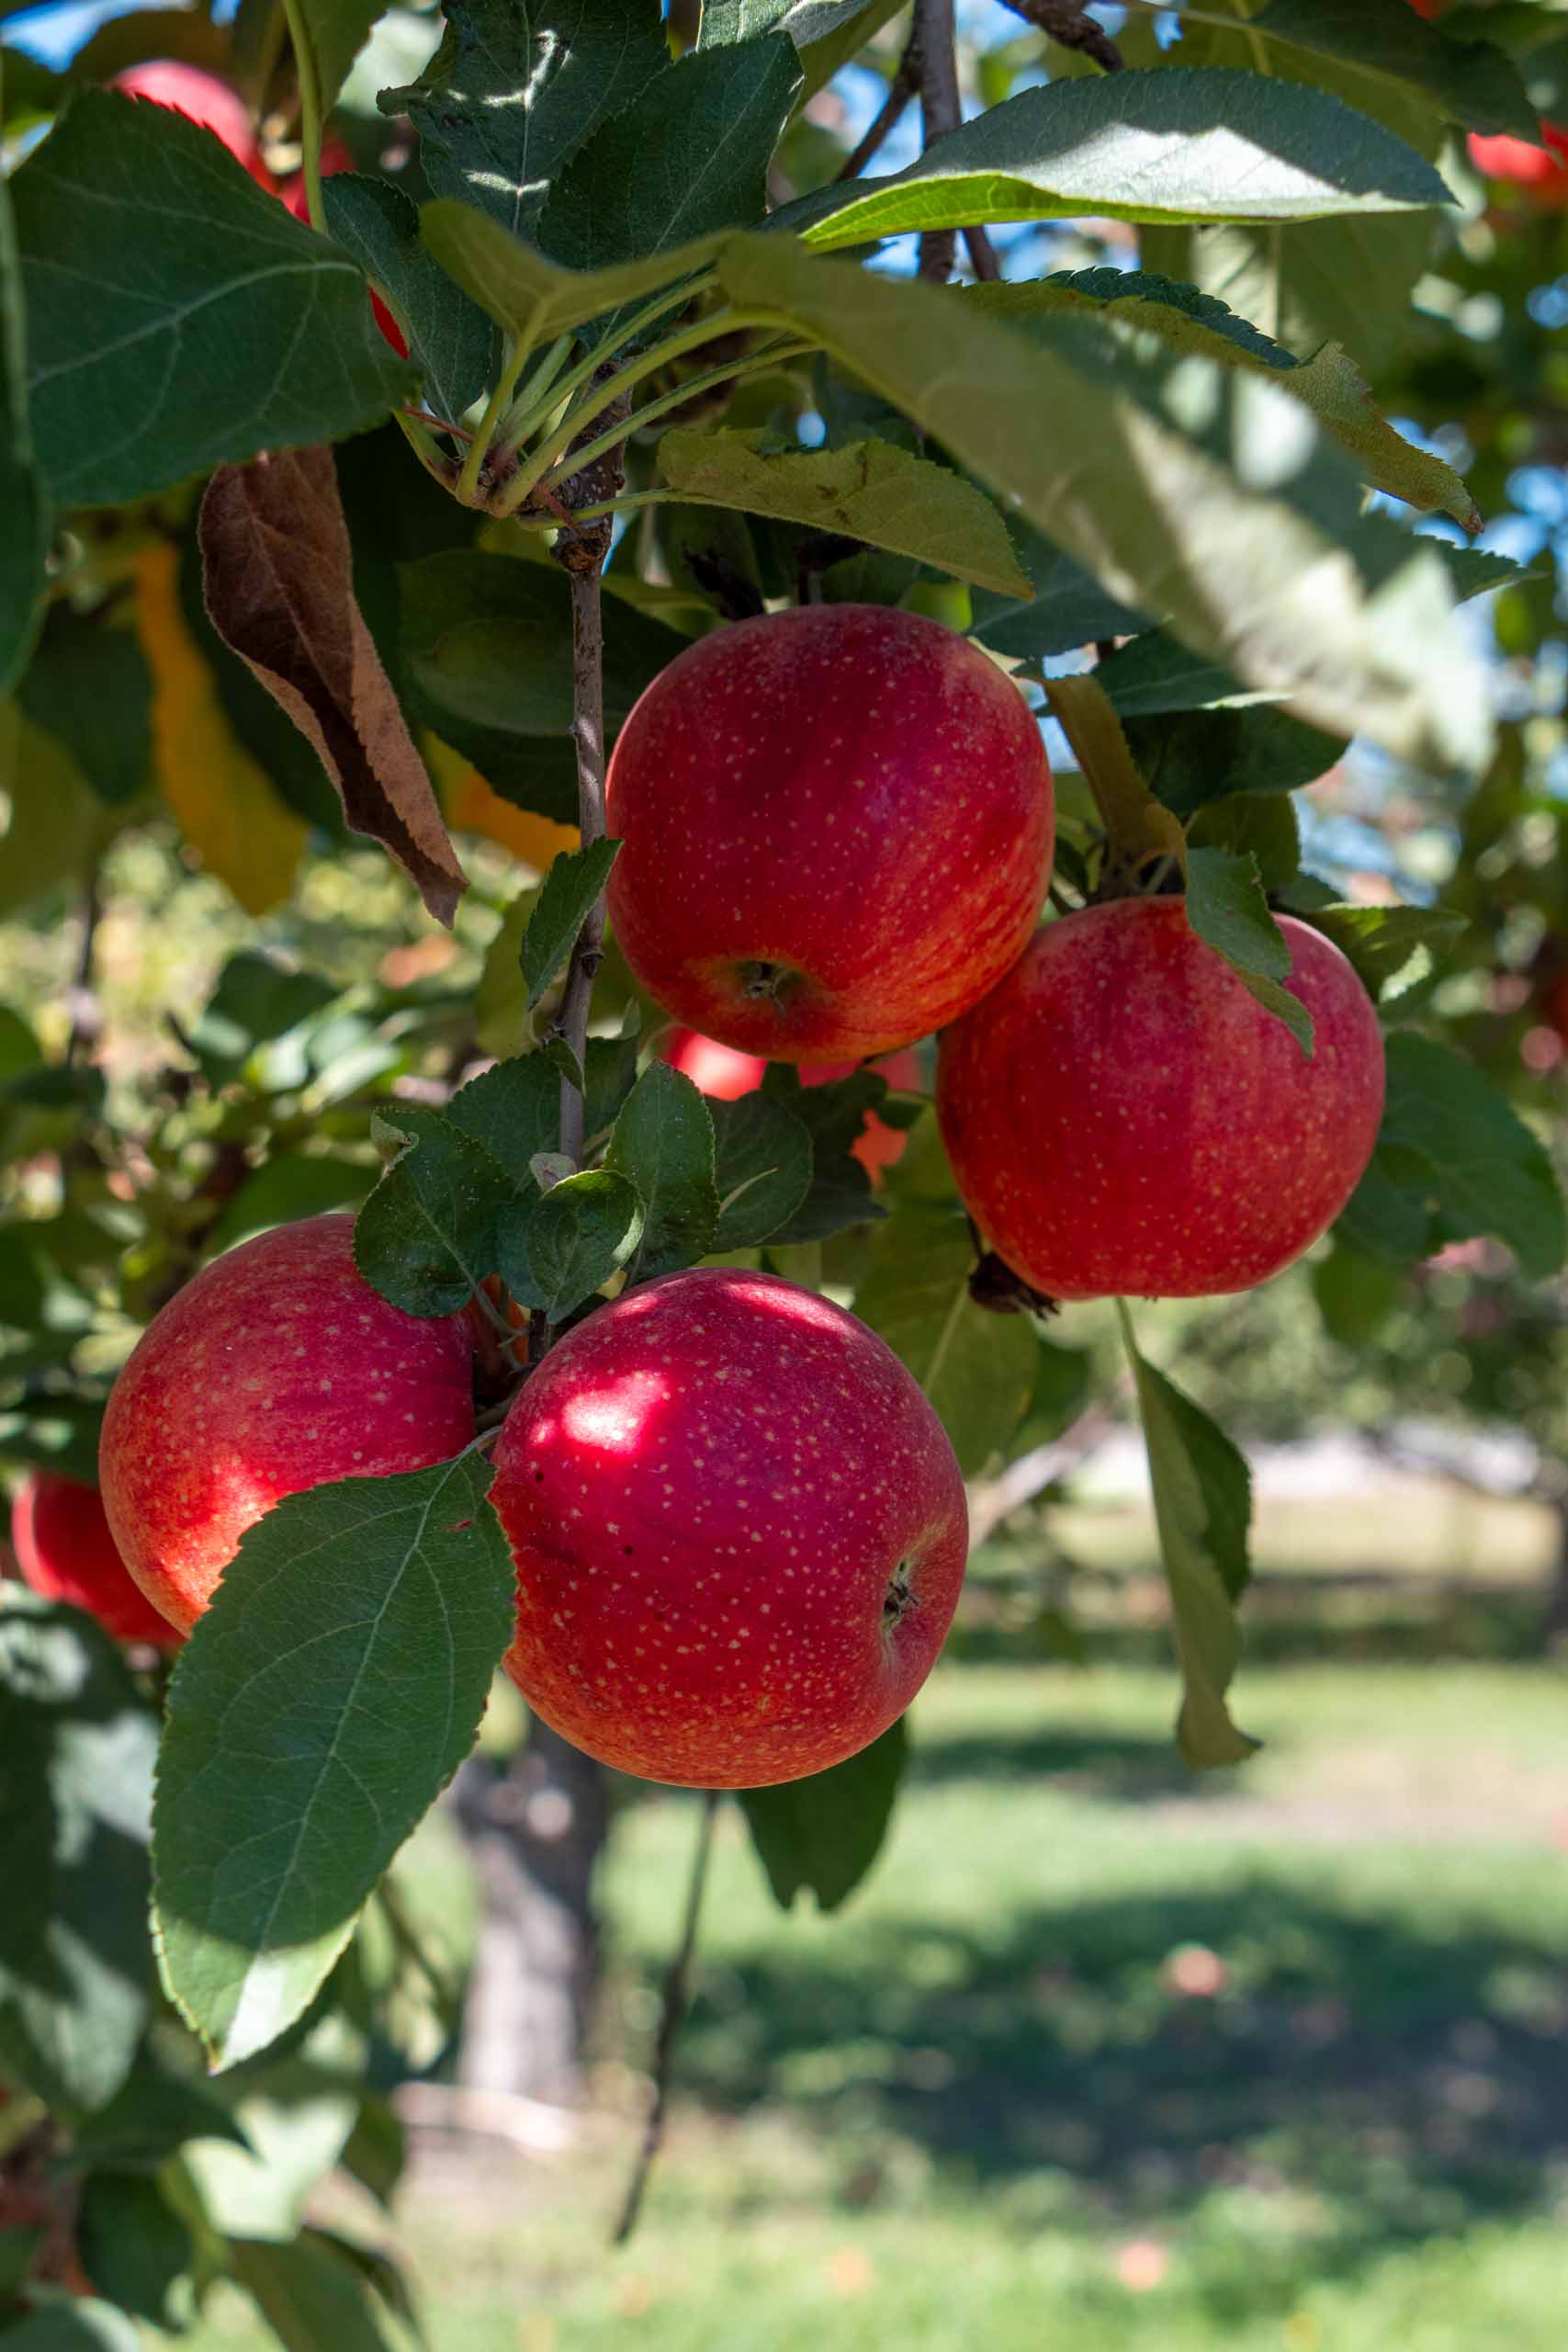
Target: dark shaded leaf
426,1237
214,323
762,1169
1454,1161
822,1835
581,1232
449,337
76,1749
977,1369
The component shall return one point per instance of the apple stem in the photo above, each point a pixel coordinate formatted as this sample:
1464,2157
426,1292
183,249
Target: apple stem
677,1991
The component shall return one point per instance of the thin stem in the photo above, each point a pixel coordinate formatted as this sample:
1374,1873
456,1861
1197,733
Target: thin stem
538,410
982,255
677,1989
939,113
900,90
467,492
309,110
83,1006
588,734
577,458
556,445
531,400
609,506
419,440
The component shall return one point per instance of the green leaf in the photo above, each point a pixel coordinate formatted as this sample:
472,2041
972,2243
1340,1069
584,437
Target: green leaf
582,1231
151,2116
1192,759
834,1117
426,1239
762,1169
76,1749
88,686
338,31
725,22
135,2249
1329,383
58,825
310,2296
663,1142
977,1368
1202,1495
822,1835
80,2325
688,156
323,1702
291,1185
256,1002
1381,941
1067,608
1159,502
515,90
1347,280
1454,1161
528,295
575,881
512,1110
1356,1294
217,326
487,642
1226,907
450,340
24,543
869,490
1473,81
1165,145
1259,825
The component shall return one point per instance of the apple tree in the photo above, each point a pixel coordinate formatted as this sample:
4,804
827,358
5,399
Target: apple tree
599,458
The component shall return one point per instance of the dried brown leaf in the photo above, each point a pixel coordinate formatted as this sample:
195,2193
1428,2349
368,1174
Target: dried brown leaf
277,572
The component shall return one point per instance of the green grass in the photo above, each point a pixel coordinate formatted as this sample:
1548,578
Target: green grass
978,2105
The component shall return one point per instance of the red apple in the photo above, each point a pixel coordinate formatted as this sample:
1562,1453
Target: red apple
1123,1117
278,1368
202,98
739,1533
726,1075
1540,172
335,157
836,827
64,1550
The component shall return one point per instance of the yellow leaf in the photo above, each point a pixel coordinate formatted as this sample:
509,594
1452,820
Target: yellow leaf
222,797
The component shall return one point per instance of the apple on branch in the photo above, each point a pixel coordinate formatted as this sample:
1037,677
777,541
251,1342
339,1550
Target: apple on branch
1124,1118
740,1531
277,1369
836,828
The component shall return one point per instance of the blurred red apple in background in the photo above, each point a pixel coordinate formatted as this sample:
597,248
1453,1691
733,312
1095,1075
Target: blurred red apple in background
740,1531
1540,172
61,1537
836,826
724,1073
202,98
277,1369
1123,1117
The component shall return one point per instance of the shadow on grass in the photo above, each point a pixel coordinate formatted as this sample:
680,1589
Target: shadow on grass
1380,2088
1291,1621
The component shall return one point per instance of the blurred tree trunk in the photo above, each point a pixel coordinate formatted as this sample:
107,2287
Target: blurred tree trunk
536,1828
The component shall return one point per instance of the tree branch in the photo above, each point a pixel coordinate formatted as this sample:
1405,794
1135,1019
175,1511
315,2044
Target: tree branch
1070,27
677,1988
900,90
937,47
